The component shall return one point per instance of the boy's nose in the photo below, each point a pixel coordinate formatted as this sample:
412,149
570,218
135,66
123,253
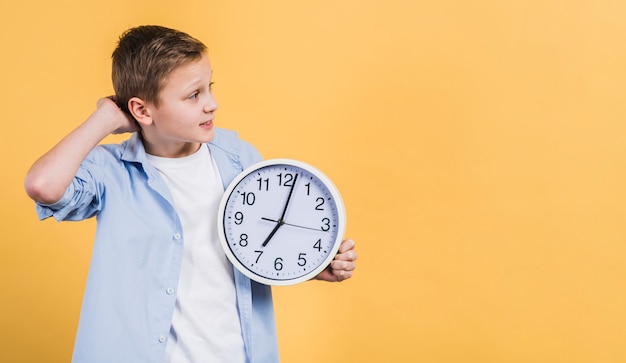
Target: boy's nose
211,105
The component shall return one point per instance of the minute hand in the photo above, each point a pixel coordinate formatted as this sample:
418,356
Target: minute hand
282,218
281,221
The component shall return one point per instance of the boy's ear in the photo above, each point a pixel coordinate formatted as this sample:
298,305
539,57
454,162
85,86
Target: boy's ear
139,109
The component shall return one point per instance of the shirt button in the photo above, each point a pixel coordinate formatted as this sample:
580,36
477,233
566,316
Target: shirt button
170,290
162,339
177,236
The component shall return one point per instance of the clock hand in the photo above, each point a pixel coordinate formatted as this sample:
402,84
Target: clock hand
280,223
289,198
282,217
294,225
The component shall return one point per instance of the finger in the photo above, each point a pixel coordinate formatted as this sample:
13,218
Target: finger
100,102
339,265
341,275
104,100
346,245
350,255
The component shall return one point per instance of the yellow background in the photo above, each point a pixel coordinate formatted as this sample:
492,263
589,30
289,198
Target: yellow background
480,147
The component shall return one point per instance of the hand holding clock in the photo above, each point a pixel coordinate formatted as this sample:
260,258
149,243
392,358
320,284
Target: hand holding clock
342,266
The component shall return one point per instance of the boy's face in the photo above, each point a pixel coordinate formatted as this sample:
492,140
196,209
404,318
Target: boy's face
184,118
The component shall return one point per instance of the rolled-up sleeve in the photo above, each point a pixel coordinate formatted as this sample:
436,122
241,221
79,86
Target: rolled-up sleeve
82,198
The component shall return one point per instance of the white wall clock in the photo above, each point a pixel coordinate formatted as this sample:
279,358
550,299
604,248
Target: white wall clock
281,222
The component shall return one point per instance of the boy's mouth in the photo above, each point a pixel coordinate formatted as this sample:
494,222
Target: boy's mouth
207,124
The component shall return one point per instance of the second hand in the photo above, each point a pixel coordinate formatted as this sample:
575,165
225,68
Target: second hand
293,225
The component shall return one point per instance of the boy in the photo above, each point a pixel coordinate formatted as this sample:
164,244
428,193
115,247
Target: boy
159,287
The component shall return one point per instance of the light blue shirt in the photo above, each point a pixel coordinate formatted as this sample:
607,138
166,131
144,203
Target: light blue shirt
131,288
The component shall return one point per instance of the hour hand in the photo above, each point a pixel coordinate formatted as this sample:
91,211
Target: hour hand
280,223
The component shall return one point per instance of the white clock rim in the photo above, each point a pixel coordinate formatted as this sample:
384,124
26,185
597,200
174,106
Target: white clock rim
341,223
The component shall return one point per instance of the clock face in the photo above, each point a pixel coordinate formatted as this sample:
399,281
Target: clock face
281,222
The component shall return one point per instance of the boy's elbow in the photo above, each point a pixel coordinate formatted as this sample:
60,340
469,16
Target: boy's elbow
40,190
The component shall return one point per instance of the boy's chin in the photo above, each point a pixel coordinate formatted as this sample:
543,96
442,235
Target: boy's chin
210,135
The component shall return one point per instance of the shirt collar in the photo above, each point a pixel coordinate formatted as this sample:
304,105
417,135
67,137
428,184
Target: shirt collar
134,150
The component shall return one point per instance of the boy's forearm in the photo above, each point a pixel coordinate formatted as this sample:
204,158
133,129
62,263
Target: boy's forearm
52,173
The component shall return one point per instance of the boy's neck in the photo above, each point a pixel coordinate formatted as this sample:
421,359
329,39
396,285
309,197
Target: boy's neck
170,150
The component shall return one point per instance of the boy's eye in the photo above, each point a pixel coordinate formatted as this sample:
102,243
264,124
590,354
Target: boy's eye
211,85
194,95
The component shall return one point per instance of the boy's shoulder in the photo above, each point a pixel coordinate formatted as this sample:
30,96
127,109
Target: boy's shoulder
239,150
229,141
224,136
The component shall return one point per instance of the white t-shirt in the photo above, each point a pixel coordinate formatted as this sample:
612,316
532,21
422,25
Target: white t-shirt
205,326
